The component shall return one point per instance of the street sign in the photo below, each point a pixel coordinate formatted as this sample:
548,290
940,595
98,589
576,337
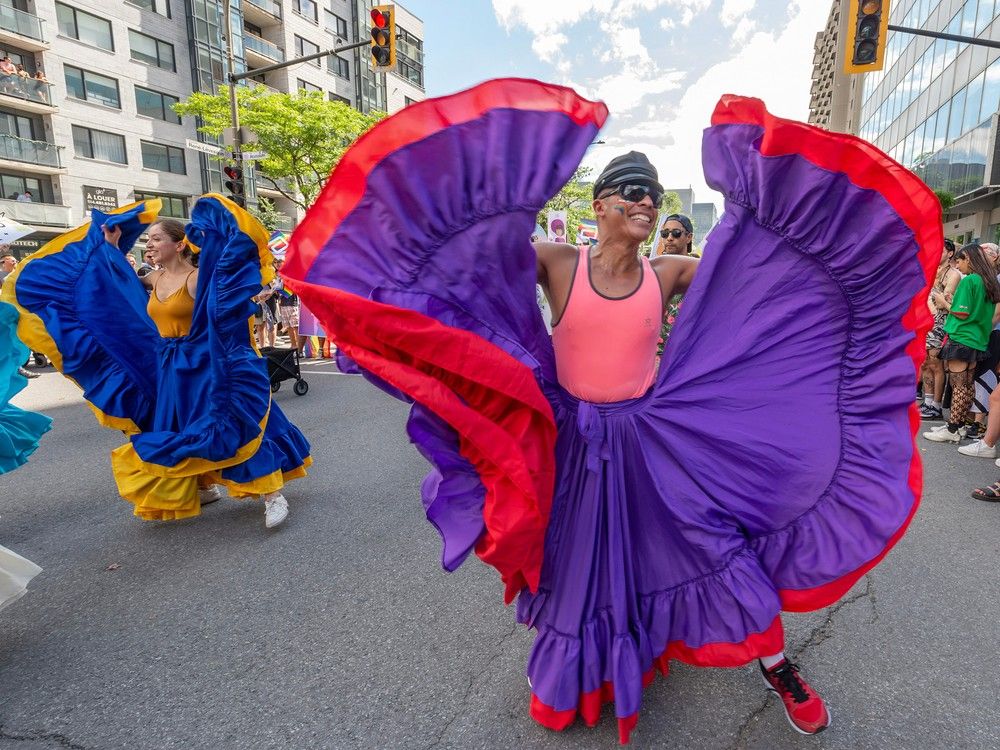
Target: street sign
205,148
254,155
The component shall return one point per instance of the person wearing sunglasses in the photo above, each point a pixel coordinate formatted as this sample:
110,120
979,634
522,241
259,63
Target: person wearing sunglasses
676,233
609,291
676,236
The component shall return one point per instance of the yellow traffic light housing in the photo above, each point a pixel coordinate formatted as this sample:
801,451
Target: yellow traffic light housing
867,33
383,47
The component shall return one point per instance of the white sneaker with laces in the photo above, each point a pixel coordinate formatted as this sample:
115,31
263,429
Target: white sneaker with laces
944,435
275,510
209,494
978,449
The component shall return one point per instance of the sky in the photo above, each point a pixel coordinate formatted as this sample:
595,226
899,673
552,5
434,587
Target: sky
659,65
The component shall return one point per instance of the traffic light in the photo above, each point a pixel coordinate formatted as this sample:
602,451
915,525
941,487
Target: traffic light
383,49
867,34
235,185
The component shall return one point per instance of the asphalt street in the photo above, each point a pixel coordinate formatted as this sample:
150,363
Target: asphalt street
340,630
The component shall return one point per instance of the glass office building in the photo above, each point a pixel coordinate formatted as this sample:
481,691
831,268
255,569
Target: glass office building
934,108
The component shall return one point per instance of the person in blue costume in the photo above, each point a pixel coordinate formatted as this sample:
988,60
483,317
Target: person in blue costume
20,430
174,370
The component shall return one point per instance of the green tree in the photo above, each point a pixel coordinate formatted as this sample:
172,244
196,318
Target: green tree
303,134
574,198
268,214
946,198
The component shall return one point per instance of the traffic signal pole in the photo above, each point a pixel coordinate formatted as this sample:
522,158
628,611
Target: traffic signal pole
943,35
233,78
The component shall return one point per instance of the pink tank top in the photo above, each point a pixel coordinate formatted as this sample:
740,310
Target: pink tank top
606,347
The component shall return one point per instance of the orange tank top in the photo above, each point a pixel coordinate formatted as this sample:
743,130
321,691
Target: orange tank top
606,346
172,316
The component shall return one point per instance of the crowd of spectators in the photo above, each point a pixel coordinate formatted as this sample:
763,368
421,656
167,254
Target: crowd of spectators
960,374
16,81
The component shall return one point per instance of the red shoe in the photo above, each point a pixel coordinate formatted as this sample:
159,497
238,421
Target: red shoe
805,709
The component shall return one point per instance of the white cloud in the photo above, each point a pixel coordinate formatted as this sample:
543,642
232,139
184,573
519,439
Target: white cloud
625,91
671,136
625,43
733,10
744,28
546,47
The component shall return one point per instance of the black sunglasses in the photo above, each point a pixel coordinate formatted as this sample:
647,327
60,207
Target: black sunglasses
675,233
635,193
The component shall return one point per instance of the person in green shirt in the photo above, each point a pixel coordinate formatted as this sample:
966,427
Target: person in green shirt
970,320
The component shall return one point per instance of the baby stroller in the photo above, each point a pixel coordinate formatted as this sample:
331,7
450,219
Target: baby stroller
283,364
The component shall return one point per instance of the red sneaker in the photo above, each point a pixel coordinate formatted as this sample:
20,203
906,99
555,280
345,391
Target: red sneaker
805,709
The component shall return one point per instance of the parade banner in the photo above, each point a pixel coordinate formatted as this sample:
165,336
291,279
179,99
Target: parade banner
557,226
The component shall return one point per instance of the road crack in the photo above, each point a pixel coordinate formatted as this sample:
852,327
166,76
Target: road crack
819,635
495,654
824,631
59,740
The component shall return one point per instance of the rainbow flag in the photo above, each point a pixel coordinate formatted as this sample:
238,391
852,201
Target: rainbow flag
587,229
278,244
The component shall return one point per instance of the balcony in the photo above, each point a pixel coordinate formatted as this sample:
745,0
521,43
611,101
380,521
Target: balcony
36,214
260,51
262,12
26,94
31,156
21,29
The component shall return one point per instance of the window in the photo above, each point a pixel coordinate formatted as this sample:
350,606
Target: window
306,86
304,47
410,57
19,126
157,6
12,185
407,101
339,66
151,51
174,206
96,144
151,103
91,87
338,98
163,158
336,25
306,8
85,27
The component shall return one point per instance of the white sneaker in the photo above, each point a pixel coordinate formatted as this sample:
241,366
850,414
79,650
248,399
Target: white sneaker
275,511
210,494
978,449
944,435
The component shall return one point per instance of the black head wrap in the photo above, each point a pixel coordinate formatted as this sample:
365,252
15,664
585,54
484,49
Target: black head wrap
632,167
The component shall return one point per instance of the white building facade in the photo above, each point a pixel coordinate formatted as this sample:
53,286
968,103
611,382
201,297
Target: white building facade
99,132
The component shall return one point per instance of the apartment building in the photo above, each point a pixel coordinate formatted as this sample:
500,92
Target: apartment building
835,97
99,131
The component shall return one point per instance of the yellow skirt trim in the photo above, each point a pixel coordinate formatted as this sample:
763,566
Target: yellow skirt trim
264,485
125,459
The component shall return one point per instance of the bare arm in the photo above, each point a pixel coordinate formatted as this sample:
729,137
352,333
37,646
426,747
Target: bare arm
546,255
675,273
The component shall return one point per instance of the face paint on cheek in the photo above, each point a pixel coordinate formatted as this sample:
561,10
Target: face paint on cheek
620,210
